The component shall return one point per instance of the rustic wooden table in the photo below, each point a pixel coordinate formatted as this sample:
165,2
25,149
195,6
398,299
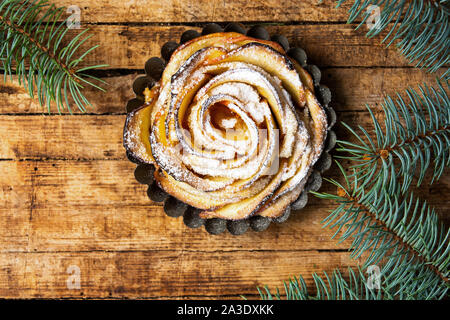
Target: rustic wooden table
68,197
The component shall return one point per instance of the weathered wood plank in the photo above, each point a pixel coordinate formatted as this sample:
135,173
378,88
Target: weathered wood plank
136,228
68,137
91,136
84,206
97,205
352,89
326,45
208,11
104,183
62,137
94,215
14,99
16,198
329,45
150,274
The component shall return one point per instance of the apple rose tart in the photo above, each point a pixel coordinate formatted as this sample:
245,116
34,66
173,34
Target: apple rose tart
233,127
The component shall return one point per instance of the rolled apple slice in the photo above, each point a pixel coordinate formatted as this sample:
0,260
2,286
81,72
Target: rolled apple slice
229,81
245,208
136,131
225,40
273,62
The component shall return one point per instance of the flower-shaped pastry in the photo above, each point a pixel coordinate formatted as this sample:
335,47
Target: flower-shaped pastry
233,127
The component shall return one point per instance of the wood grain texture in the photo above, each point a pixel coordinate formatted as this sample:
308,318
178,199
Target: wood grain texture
351,88
195,11
81,137
68,196
327,45
97,205
157,273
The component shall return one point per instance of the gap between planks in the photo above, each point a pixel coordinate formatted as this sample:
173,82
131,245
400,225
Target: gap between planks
192,11
81,137
176,250
351,90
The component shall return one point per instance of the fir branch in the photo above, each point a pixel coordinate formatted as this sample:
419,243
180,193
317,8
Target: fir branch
335,287
403,236
388,226
30,33
416,139
420,28
358,207
396,230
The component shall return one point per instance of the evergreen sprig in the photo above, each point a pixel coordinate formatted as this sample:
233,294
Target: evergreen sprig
397,233
415,140
394,229
420,28
31,46
353,286
388,226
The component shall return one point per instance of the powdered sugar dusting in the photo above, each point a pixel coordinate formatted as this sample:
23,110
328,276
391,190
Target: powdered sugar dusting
221,125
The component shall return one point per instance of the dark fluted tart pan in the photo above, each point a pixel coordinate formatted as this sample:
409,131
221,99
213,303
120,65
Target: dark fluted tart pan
176,208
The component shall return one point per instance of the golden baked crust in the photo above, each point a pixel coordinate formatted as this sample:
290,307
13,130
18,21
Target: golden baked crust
233,127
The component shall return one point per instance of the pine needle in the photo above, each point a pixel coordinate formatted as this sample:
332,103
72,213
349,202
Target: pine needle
31,37
419,28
